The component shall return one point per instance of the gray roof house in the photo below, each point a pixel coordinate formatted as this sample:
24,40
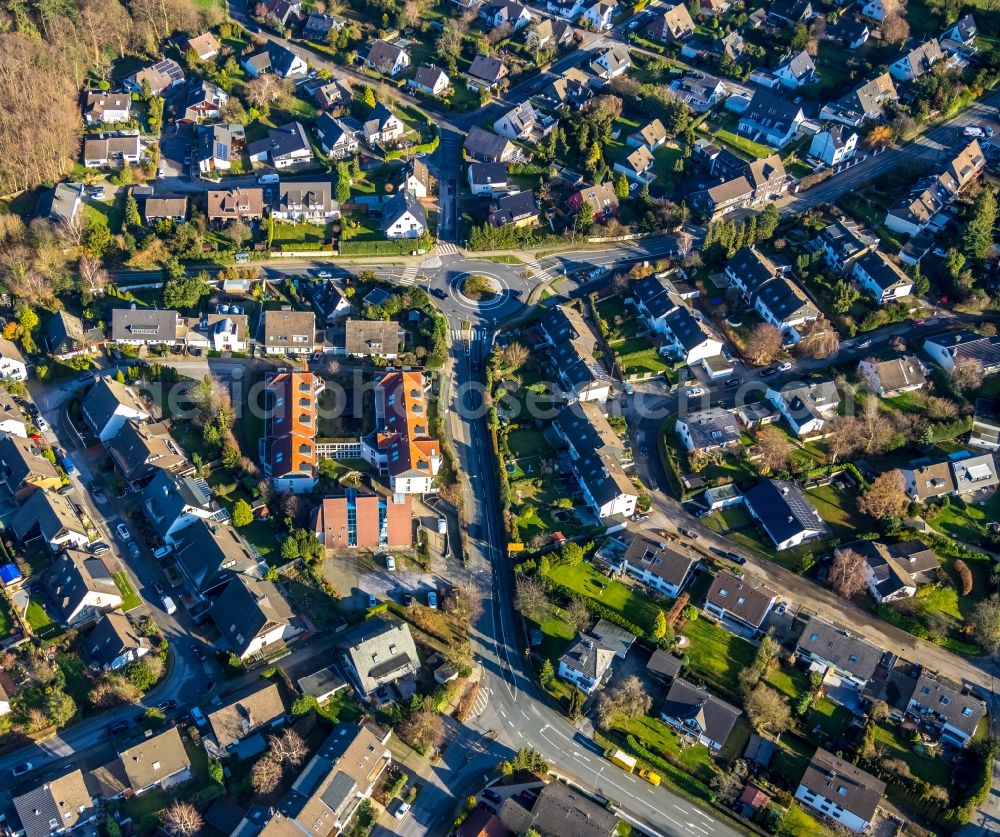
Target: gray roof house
114,642
283,146
144,326
893,571
66,336
55,806
81,587
698,714
830,649
210,553
377,652
784,511
141,450
951,709
586,663
571,345
739,602
252,615
52,517
109,405
172,502
708,430
257,708
840,790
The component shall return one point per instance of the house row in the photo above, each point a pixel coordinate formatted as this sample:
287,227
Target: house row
750,186
769,289
686,334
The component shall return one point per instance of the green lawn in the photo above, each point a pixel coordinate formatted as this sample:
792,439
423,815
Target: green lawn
933,770
789,681
526,441
260,534
39,621
730,517
754,149
6,620
130,599
797,823
77,685
908,402
661,739
967,523
839,509
831,718
646,360
301,233
716,655
591,584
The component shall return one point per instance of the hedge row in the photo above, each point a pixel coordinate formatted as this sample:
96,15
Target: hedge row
378,248
682,779
596,608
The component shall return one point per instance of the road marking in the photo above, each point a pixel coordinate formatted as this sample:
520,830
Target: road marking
503,714
697,828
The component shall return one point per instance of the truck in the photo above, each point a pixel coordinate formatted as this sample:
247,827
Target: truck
650,776
623,760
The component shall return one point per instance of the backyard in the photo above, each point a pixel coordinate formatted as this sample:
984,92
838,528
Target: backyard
589,583
717,656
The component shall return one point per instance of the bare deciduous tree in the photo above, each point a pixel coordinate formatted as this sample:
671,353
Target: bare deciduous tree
819,339
266,774
842,437
514,355
985,623
773,450
422,729
288,748
531,599
767,709
847,573
875,427
182,819
895,29
886,497
627,701
265,89
764,343
93,277
967,375
577,615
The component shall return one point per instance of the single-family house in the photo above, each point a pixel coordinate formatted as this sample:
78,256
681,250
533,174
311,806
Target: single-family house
785,513
382,126
55,806
67,337
867,102
699,91
927,480
430,80
549,33
24,469
208,554
112,150
487,147
894,376
156,761
665,567
837,789
953,711
102,108
486,72
963,32
652,135
586,663
172,502
488,178
957,347
505,13
894,571
515,209
844,660
636,165
916,61
281,13
795,70
11,417
373,338
205,46
807,407
611,62
338,137
109,405
708,430
602,198
253,617
284,146
699,715
204,101
881,277
80,587
844,242
164,209
216,146
599,16
13,366
771,119
675,24
239,203
986,425
790,12
850,31
258,708
835,145
51,517
114,642
318,27
140,450
523,122
158,77
377,653
387,59
304,200
751,186
403,216
739,603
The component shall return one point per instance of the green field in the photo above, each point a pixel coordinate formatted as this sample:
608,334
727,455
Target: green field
936,771
831,718
753,149
839,509
584,580
661,739
716,655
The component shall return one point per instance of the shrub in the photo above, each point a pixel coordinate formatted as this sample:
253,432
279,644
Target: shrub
965,576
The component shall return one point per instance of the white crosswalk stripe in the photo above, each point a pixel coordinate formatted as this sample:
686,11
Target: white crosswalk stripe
538,273
444,248
409,276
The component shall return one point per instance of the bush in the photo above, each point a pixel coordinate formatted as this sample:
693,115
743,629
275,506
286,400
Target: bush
965,576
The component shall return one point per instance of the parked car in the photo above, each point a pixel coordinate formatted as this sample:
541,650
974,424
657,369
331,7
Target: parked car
784,367
690,533
694,392
198,716
407,600
732,383
97,192
402,810
390,563
736,558
432,600
492,795
325,274
22,769
133,549
440,293
123,531
118,727
167,706
99,547
43,425
97,491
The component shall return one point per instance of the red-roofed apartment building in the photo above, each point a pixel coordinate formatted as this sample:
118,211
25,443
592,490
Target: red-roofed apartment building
402,447
364,521
288,449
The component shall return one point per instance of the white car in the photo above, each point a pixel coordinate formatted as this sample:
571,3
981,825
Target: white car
695,392
325,274
784,367
123,531
390,563
402,810
43,425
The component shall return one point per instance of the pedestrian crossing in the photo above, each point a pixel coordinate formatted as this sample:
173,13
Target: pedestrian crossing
409,276
539,274
476,333
445,248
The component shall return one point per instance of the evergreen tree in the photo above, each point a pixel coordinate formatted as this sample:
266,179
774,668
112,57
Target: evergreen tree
343,183
132,216
621,186
977,237
547,674
768,223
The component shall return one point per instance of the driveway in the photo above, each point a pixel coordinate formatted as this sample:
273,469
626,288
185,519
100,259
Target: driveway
175,143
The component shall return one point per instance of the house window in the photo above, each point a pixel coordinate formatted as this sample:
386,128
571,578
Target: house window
967,712
852,658
926,690
945,700
842,790
814,637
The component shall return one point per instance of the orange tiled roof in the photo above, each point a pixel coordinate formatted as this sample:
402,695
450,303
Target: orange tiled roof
404,435
292,424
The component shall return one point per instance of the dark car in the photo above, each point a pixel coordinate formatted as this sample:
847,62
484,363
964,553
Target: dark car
167,706
407,599
732,383
439,293
118,727
492,795
736,558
